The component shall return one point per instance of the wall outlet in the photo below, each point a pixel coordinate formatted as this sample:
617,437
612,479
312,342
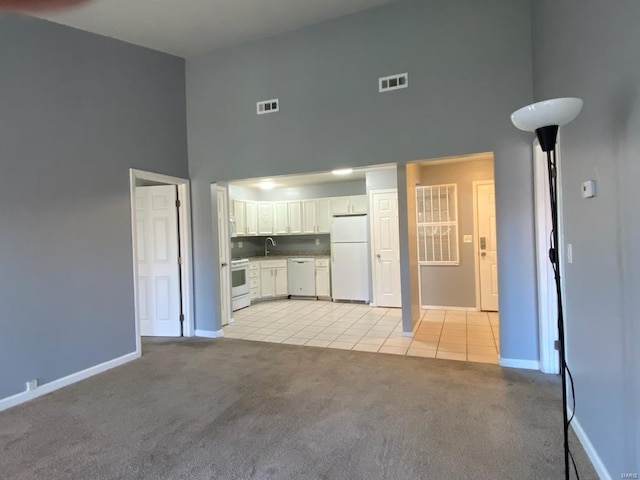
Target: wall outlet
239,244
317,241
569,253
32,385
468,239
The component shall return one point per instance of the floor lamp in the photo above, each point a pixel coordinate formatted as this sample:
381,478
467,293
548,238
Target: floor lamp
545,118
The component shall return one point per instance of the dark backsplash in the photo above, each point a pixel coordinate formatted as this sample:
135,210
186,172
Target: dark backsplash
285,245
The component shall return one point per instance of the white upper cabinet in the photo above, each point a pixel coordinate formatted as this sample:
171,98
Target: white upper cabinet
316,215
323,215
310,216
265,218
295,216
341,205
280,218
353,204
239,219
251,217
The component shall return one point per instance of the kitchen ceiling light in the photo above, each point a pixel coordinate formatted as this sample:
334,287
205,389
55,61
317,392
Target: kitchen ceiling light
266,185
343,171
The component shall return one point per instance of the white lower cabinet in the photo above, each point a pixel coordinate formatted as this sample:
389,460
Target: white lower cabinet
254,280
323,278
273,278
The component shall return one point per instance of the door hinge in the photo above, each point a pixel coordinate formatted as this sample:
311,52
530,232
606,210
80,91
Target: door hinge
179,260
178,203
556,345
182,318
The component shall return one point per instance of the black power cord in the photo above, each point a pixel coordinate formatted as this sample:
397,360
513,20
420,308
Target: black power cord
554,258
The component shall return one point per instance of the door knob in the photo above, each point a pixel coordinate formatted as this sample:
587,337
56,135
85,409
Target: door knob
483,254
378,255
224,264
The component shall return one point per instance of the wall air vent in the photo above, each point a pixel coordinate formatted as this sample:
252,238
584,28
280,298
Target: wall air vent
393,82
268,106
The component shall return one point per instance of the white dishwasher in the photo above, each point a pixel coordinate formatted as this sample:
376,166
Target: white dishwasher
301,276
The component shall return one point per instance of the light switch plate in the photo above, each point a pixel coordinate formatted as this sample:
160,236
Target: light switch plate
468,239
569,253
589,189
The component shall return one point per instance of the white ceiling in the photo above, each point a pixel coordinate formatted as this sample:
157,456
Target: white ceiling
191,27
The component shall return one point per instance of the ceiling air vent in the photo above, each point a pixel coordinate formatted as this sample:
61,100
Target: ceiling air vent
268,106
393,82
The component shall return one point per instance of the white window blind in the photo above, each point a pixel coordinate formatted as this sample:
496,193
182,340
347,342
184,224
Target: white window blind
437,220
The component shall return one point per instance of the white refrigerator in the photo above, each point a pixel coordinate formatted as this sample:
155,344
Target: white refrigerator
350,258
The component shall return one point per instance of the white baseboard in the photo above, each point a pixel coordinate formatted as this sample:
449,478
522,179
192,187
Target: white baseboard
210,333
440,307
517,363
46,388
590,450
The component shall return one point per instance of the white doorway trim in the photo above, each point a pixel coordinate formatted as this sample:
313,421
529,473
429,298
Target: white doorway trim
186,252
476,238
547,310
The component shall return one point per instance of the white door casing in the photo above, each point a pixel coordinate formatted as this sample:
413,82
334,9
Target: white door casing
157,256
547,299
224,254
487,245
385,249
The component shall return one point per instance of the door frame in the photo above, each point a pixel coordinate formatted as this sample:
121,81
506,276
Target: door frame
476,238
215,188
185,242
547,311
372,286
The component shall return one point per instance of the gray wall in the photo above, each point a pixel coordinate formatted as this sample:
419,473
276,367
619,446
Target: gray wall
455,286
469,67
589,49
78,110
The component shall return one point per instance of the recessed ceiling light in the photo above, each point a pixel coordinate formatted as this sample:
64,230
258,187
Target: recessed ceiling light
266,185
343,171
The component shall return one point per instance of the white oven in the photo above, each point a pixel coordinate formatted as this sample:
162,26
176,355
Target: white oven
240,290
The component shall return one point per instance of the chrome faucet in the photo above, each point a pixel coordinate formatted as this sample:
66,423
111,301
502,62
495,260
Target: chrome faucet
273,242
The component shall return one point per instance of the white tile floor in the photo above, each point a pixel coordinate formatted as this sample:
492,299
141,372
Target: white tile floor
452,335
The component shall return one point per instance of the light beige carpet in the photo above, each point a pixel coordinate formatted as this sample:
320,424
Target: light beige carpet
235,409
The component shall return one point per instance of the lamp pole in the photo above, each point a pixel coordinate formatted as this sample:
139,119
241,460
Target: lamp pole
545,118
547,137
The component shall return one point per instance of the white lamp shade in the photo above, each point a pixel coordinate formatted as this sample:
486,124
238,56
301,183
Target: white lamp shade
557,111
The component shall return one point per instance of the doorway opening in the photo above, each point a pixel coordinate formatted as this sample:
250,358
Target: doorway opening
162,255
455,256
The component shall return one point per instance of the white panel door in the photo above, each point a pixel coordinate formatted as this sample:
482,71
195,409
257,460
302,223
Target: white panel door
280,217
487,247
324,215
386,250
158,270
224,254
309,216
